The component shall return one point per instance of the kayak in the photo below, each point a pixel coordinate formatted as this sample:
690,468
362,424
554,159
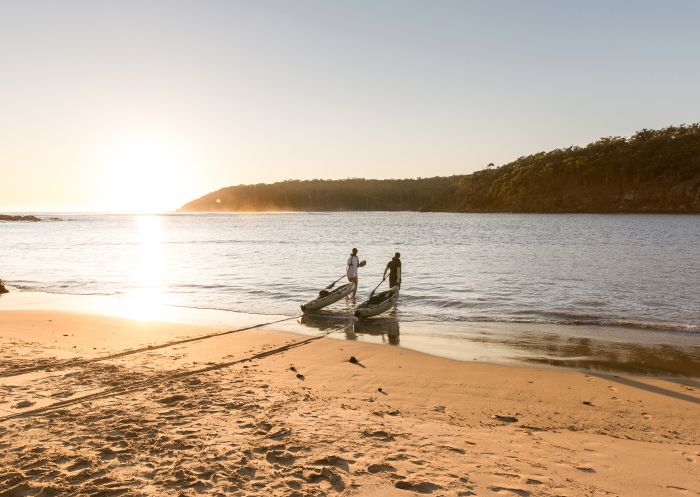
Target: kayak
378,303
327,298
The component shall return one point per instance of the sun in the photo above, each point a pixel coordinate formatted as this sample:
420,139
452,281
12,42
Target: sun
144,173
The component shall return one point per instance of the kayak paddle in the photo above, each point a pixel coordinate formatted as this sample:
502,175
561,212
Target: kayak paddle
375,288
333,284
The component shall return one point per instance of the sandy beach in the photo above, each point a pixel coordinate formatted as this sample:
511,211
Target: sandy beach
95,405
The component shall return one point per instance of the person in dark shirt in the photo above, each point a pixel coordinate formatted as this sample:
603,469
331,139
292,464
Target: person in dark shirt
394,268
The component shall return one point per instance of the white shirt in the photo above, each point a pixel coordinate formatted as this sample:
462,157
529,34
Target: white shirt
353,263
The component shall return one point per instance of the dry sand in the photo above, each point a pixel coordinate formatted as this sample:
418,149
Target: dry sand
198,418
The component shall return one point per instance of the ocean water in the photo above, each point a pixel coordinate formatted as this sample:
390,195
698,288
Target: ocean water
627,271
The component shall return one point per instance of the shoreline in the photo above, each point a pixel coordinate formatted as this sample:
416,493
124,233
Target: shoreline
606,349
203,419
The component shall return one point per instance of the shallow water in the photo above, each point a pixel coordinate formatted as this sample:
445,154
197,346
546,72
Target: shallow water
639,271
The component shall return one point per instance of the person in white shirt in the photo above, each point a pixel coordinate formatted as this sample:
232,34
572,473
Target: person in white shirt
352,265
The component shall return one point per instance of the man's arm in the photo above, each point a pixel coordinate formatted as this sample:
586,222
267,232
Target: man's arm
385,270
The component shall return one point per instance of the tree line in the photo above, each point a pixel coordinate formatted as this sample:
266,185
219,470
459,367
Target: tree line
651,171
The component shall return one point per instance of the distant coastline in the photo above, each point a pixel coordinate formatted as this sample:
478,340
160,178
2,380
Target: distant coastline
653,171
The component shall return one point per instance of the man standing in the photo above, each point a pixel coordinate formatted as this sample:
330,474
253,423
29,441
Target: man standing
353,264
394,268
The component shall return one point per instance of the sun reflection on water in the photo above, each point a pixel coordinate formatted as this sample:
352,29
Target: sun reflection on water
146,301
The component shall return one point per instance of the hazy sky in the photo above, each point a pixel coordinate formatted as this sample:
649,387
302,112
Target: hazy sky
145,105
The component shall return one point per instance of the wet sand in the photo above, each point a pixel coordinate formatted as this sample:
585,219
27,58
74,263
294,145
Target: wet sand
598,349
261,412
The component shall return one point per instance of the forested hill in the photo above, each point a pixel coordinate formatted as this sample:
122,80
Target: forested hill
652,171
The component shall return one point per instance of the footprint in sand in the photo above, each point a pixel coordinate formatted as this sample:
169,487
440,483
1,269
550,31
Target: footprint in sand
380,468
516,491
281,433
335,461
379,435
264,427
452,449
330,476
424,487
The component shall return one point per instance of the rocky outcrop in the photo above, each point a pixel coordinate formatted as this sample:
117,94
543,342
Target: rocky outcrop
2,288
5,217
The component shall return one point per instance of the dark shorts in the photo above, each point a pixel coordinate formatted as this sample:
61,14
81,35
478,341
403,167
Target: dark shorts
392,282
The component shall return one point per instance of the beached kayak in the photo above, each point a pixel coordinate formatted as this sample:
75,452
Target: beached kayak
380,302
327,298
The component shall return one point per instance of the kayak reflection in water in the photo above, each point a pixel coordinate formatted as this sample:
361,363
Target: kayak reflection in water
387,328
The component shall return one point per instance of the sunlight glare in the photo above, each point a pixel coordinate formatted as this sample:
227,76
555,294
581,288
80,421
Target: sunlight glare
146,302
145,174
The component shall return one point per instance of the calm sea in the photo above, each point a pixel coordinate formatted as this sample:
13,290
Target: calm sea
640,271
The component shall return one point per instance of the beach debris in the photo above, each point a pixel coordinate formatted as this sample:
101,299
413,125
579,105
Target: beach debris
380,390
586,469
292,368
395,412
300,376
506,419
23,404
587,403
353,360
439,408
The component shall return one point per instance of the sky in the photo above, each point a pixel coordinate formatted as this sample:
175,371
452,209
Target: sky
145,105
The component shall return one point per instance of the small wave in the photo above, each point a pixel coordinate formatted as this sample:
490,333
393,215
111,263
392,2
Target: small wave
617,323
61,290
196,286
